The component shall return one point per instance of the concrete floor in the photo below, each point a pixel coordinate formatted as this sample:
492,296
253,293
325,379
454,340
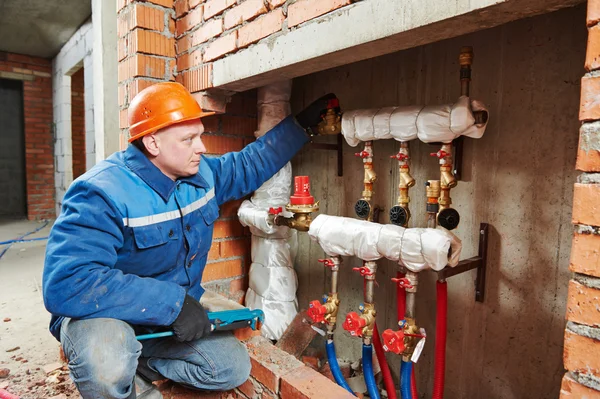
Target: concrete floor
21,301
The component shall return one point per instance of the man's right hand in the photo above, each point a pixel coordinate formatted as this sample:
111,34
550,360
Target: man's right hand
192,322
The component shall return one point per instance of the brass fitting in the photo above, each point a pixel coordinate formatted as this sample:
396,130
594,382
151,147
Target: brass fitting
370,175
410,342
301,219
368,314
331,124
333,306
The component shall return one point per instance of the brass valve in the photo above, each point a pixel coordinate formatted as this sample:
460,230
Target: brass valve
326,312
411,337
361,325
331,123
302,204
301,219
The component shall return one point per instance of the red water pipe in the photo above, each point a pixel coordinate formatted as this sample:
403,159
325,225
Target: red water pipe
440,340
385,369
7,395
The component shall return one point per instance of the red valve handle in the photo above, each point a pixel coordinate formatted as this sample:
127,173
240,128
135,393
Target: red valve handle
327,262
354,324
403,282
316,311
364,271
275,211
440,154
400,156
362,154
393,341
333,103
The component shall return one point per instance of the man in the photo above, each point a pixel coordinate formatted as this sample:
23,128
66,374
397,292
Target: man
127,253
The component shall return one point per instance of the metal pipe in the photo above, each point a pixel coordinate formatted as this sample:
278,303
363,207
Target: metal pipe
370,282
465,59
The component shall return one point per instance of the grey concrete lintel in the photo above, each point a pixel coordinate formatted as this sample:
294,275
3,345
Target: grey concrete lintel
363,30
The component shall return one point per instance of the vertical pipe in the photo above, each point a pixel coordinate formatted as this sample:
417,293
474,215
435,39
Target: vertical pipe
440,340
368,372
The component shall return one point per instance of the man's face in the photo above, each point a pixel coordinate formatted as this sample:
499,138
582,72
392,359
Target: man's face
176,149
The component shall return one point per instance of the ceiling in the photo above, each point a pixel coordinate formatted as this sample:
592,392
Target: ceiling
40,27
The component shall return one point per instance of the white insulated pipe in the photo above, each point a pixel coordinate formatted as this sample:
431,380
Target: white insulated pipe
430,124
272,278
416,249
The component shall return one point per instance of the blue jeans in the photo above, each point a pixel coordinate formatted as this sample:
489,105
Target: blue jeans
103,357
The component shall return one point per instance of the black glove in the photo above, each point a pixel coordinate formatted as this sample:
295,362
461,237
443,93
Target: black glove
312,115
192,322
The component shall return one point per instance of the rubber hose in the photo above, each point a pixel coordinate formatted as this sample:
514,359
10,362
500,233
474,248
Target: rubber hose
405,376
440,340
385,369
335,367
367,353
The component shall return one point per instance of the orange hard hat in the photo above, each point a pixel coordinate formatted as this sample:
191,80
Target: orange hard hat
161,105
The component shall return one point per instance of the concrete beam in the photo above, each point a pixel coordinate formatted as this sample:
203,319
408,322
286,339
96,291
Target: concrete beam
377,27
106,107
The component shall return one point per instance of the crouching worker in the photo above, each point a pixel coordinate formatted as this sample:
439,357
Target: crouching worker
127,253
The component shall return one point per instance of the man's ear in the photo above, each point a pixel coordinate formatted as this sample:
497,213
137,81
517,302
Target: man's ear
151,144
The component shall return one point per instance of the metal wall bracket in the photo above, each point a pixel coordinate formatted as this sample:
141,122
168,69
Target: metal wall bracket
335,147
478,262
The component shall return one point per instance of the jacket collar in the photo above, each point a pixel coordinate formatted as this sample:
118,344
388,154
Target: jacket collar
139,163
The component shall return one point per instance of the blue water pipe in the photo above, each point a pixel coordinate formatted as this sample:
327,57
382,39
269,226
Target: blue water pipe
405,376
367,354
21,239
335,367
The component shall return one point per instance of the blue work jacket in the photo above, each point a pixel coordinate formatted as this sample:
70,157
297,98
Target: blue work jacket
130,243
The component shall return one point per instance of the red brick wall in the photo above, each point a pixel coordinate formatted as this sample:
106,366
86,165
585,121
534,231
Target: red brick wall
207,30
78,123
582,336
39,143
229,257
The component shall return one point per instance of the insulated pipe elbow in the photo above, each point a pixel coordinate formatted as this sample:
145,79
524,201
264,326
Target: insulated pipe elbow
335,368
368,372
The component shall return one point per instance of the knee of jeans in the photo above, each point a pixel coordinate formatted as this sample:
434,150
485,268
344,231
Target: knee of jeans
103,353
238,368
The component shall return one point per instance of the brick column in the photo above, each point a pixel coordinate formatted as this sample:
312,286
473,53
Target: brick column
146,50
582,335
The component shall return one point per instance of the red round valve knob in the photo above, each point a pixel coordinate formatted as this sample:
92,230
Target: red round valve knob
302,192
275,211
354,324
393,341
316,311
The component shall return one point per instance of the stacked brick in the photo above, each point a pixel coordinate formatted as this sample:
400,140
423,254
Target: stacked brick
582,335
146,49
36,74
275,374
207,30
